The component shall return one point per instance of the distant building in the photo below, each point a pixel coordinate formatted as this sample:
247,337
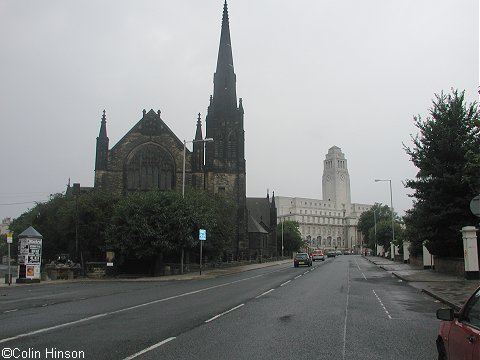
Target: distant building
4,226
330,223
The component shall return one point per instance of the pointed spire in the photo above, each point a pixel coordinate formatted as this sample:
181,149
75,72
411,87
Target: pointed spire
101,157
224,90
273,200
198,134
103,126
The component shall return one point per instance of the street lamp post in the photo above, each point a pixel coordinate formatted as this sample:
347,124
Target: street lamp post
375,227
183,192
392,247
282,237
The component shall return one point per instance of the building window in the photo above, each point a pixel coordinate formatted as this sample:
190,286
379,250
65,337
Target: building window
232,147
218,145
148,168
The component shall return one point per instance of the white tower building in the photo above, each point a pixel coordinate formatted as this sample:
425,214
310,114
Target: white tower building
335,179
331,222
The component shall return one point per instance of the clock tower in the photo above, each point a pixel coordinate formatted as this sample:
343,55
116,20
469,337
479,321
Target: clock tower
335,179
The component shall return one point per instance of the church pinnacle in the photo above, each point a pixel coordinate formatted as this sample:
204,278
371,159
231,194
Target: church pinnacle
224,90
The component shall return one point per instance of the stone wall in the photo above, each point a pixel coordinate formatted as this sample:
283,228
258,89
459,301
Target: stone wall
452,266
416,261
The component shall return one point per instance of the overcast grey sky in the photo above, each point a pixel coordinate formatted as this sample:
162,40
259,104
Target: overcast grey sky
312,74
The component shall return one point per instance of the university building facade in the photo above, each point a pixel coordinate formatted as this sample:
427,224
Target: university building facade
331,222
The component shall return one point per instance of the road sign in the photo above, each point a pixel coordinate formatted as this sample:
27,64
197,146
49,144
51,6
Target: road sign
475,205
202,235
9,238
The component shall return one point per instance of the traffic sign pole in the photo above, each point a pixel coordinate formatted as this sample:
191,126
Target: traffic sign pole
201,246
202,236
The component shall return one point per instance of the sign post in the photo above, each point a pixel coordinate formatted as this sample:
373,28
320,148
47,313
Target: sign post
9,241
202,236
475,205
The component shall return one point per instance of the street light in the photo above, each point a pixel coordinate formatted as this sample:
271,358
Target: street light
184,151
375,221
282,237
392,247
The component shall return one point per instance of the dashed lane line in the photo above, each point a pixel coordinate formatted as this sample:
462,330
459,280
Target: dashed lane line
224,313
265,293
383,306
149,348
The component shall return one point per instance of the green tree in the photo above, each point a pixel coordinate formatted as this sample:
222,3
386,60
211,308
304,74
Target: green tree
57,218
154,224
366,222
383,216
292,239
446,152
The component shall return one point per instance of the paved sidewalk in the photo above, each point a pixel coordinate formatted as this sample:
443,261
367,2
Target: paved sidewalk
210,273
451,290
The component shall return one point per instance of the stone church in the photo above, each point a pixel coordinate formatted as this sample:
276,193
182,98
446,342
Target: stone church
151,157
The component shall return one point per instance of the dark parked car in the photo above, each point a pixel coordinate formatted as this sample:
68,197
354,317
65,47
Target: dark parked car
302,259
331,253
459,333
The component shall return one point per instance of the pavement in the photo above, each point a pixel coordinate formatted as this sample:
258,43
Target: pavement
208,273
451,290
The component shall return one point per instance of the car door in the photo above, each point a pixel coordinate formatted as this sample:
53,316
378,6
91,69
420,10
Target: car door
464,336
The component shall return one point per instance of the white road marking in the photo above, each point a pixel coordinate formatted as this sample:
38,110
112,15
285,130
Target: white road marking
225,312
296,277
346,316
285,283
149,348
9,311
265,293
306,272
383,306
357,265
98,316
364,276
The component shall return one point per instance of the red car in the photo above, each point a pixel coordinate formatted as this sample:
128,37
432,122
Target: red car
459,333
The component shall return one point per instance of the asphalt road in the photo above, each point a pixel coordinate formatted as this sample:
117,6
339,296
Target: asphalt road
343,308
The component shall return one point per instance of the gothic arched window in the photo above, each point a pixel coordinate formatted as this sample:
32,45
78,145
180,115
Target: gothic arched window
149,167
232,146
218,144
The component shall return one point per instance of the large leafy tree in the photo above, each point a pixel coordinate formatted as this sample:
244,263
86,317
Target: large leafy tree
70,224
292,239
152,224
382,215
446,152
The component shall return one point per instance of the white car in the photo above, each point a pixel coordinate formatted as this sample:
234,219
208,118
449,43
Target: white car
317,255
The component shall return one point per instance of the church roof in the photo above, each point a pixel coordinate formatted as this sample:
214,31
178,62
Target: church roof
255,227
150,124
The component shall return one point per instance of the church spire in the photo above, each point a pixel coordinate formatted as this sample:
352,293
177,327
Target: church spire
101,157
198,133
198,147
224,90
103,127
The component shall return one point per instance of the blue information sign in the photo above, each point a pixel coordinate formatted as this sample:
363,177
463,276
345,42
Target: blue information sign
202,235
